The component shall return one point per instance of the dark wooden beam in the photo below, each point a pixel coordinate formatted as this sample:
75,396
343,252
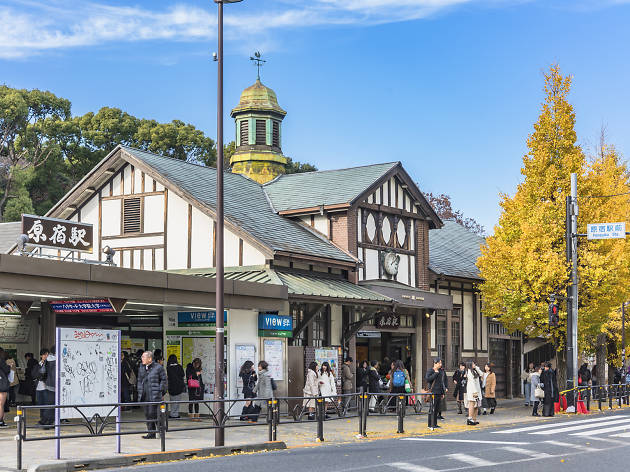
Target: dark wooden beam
308,318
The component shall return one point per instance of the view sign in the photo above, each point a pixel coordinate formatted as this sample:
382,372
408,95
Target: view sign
57,234
606,231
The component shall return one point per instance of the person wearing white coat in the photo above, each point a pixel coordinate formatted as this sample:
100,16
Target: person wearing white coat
311,389
535,381
327,384
472,397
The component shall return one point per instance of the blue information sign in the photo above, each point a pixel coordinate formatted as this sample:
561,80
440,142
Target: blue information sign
199,318
273,321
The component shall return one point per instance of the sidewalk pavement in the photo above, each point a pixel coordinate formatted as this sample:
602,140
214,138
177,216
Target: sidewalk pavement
304,434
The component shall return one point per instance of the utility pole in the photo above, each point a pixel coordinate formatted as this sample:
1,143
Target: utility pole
572,306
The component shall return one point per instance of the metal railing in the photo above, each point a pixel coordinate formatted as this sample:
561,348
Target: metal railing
295,410
609,393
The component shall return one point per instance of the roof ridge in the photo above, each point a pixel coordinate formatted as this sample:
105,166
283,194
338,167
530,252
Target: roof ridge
285,176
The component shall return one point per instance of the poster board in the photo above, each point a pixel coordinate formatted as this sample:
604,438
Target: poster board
273,354
205,349
242,353
88,370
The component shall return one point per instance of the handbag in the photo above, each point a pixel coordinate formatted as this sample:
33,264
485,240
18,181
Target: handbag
539,392
407,386
193,383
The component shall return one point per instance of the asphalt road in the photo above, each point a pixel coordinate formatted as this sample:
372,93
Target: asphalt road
586,443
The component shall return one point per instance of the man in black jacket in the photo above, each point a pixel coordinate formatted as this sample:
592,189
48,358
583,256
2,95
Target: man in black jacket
151,388
438,384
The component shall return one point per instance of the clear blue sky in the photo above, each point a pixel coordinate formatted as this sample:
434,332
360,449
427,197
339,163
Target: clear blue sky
449,87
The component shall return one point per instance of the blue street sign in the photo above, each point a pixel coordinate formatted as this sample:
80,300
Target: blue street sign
199,318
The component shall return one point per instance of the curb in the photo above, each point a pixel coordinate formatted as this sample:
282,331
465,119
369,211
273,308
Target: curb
137,459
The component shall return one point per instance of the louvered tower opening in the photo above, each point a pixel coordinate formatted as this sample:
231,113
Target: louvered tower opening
132,218
244,132
261,132
275,141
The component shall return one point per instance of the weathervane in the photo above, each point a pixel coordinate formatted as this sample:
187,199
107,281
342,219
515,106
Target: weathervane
258,61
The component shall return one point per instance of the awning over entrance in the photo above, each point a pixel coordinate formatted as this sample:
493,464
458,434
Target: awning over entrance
305,286
410,297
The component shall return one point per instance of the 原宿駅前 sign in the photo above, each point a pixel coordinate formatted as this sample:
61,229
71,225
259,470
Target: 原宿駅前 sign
57,234
387,320
100,305
606,231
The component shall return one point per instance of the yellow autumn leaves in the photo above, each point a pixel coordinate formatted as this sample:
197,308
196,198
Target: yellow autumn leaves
524,261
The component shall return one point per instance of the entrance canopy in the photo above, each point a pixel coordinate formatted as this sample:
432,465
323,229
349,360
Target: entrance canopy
35,280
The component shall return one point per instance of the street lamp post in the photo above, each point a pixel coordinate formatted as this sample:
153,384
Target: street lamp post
219,433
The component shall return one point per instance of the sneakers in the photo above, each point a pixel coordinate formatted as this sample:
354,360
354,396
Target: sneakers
149,436
3,424
470,422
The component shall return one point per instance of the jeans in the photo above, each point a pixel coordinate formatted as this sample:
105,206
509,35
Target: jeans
346,400
436,409
46,415
175,406
528,392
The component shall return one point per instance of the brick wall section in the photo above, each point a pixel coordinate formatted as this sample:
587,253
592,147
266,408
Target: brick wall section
422,250
344,234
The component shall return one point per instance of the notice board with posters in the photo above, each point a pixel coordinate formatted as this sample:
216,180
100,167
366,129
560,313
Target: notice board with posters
88,370
205,349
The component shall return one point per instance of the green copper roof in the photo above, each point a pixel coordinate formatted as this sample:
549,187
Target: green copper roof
299,284
258,97
454,250
245,206
328,187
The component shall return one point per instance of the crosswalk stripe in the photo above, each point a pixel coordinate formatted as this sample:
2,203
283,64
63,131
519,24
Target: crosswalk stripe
621,435
472,460
526,452
411,467
574,446
602,431
576,427
554,425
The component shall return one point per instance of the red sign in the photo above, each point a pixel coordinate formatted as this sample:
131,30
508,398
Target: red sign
101,305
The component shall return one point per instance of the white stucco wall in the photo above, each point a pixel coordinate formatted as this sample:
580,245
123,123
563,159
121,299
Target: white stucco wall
177,232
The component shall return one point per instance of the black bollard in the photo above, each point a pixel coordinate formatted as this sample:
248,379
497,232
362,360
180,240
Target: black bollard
400,410
320,419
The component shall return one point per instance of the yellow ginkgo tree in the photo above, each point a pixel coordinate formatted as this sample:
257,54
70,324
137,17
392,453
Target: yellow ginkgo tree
524,261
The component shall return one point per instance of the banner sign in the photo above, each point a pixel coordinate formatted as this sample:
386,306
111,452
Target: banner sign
7,307
100,305
387,320
273,321
199,318
606,231
58,234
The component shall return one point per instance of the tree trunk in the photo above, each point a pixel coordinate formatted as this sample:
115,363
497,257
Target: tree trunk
600,358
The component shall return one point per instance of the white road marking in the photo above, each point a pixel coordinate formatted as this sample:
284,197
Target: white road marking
527,452
577,427
472,460
602,431
471,441
411,467
621,435
574,446
554,425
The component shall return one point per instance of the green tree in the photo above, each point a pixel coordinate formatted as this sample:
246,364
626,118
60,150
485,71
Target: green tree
27,122
19,200
295,167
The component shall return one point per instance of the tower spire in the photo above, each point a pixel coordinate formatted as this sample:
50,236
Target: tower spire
258,61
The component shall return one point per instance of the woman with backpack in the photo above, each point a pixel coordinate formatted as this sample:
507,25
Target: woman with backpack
194,381
400,381
176,383
311,389
263,389
249,378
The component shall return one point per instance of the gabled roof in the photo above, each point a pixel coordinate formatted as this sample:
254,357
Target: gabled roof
454,250
9,233
246,206
327,187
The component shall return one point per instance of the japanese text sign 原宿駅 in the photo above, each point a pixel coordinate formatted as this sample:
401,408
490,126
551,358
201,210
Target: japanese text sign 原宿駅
58,234
387,320
606,231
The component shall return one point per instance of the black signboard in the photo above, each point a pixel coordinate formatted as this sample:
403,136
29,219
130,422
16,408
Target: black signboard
387,320
57,234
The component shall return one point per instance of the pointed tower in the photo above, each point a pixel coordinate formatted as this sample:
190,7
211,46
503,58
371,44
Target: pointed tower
258,120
